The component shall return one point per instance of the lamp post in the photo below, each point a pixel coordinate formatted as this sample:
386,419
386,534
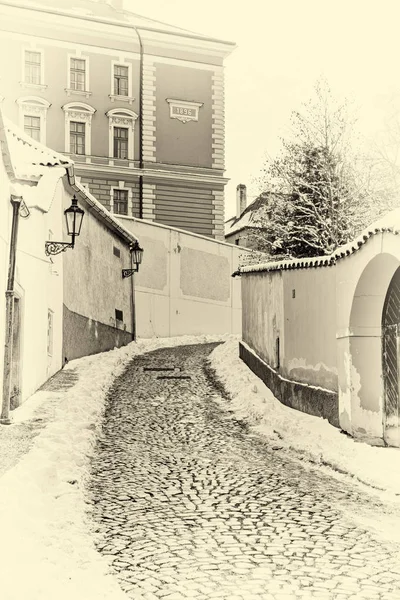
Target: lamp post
136,259
74,217
19,208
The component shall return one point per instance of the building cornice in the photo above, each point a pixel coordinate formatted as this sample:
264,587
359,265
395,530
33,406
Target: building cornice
152,173
154,35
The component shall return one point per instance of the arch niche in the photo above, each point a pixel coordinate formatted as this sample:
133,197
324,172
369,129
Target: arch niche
367,361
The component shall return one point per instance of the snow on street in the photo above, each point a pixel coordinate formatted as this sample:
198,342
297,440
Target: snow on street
42,502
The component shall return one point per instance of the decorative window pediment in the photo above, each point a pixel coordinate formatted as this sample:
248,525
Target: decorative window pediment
33,116
120,119
78,113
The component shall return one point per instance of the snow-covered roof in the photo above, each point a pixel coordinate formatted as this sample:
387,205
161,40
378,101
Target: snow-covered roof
104,214
390,223
108,12
248,218
28,157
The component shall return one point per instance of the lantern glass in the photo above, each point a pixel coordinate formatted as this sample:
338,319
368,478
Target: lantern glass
137,253
74,216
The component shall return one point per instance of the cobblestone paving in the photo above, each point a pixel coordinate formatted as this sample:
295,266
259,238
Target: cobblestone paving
189,504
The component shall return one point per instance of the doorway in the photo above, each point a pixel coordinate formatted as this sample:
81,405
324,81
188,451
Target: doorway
390,361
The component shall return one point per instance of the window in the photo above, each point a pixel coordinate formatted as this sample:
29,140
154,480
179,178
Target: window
78,124
119,315
77,137
121,128
121,81
32,127
33,117
50,320
33,67
120,142
121,78
120,202
78,74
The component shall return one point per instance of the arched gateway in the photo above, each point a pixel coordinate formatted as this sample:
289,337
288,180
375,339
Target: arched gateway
390,361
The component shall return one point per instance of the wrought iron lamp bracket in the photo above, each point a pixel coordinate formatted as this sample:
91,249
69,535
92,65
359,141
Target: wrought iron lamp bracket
57,247
128,272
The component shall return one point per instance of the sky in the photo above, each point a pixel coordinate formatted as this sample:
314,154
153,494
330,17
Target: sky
282,48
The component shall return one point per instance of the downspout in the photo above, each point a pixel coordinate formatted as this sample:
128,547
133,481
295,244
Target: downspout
133,304
141,70
10,293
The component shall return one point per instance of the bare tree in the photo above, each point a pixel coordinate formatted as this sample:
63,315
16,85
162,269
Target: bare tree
322,189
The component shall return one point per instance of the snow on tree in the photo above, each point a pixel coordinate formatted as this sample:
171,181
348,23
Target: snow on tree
321,192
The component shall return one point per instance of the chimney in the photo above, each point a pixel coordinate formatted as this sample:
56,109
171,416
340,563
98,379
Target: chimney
241,199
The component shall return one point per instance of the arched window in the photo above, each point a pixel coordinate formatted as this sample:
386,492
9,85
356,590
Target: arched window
78,128
33,117
121,133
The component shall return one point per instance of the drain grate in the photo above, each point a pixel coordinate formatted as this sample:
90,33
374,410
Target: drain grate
174,377
159,368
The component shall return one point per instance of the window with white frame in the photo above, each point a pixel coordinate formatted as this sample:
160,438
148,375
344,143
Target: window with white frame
121,82
78,126
121,133
121,79
121,137
33,117
32,127
77,133
120,202
33,67
78,76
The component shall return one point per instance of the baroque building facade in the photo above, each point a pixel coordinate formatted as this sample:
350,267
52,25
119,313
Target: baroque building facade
138,105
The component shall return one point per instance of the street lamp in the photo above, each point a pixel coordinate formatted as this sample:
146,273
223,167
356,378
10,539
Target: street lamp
74,216
136,259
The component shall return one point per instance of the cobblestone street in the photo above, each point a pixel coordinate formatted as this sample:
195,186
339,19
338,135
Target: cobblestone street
188,503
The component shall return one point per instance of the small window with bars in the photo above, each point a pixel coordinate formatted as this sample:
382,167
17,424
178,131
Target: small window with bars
120,202
33,67
77,138
121,78
78,74
32,127
121,138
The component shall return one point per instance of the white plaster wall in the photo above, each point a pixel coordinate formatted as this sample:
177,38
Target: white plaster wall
263,314
37,286
362,281
184,285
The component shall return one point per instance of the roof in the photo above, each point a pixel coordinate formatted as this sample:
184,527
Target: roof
107,11
390,223
248,218
103,214
26,156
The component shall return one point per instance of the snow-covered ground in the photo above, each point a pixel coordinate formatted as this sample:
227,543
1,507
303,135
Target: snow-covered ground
47,550
311,437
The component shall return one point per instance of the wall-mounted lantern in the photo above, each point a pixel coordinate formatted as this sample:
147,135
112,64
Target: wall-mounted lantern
136,259
74,216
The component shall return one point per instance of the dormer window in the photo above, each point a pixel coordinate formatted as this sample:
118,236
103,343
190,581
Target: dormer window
33,117
121,133
78,127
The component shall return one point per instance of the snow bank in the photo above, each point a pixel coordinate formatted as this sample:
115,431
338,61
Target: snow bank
312,437
47,551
